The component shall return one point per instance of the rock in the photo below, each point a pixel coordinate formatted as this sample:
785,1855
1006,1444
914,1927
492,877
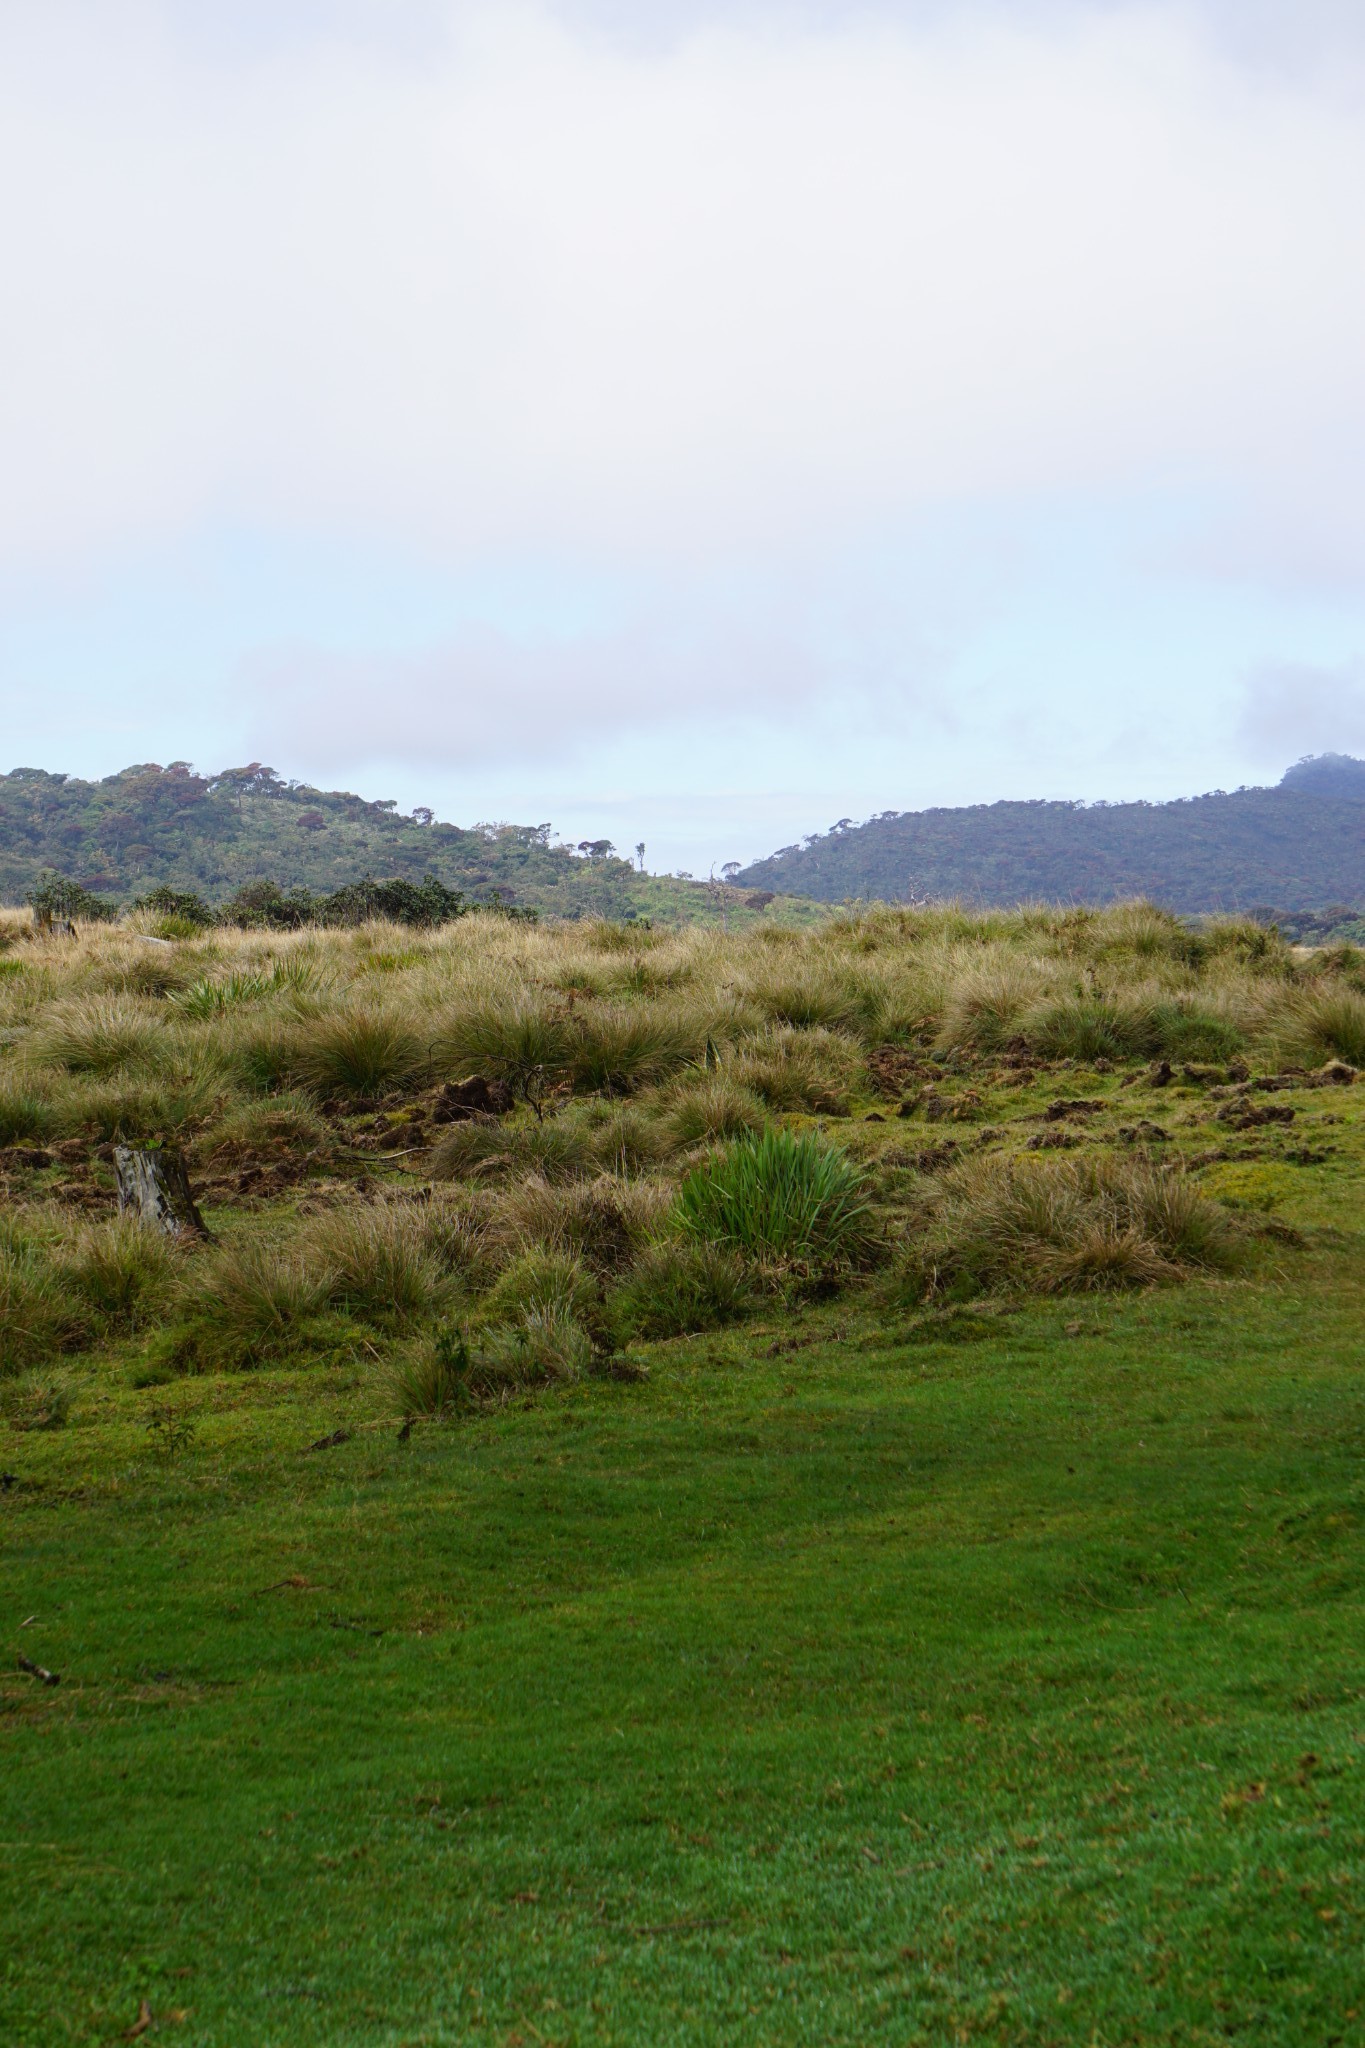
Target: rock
459,1101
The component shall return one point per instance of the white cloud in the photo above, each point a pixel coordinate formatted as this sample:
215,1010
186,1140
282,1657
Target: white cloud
498,287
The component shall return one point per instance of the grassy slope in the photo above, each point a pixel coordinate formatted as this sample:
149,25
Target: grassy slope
892,1687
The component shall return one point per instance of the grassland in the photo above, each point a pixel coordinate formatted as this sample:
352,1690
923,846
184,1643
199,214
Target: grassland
538,1576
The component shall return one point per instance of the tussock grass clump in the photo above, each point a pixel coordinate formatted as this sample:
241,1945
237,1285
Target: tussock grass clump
38,1400
715,1106
518,1038
377,1263
25,1113
286,1122
1054,1226
792,1069
432,1378
545,1344
779,1195
130,1111
1095,1027
559,1148
614,1047
150,971
543,1280
605,1221
357,1055
264,1056
814,994
99,1037
252,1302
126,1275
1321,1024
625,1138
985,1006
212,997
454,1369
37,1315
676,1288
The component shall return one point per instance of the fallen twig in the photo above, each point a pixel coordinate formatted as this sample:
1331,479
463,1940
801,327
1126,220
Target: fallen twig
328,1443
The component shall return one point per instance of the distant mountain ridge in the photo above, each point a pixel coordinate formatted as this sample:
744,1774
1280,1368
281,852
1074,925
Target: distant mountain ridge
151,826
1297,846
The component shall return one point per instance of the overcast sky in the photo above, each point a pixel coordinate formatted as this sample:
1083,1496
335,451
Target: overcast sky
685,421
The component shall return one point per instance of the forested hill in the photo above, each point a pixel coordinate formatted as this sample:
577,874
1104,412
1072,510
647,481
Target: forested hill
1298,846
150,827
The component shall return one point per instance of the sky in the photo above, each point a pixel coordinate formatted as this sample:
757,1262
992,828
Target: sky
686,422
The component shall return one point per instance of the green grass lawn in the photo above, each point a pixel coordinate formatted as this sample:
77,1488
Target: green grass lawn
851,1679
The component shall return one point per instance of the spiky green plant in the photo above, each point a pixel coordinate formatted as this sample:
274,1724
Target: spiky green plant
782,1195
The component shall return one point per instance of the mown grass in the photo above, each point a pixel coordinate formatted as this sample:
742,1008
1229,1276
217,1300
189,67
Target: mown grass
941,1631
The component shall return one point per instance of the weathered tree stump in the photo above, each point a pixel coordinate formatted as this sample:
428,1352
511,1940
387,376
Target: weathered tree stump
155,1187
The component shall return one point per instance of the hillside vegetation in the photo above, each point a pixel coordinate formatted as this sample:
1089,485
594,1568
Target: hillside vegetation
1299,846
150,828
772,1487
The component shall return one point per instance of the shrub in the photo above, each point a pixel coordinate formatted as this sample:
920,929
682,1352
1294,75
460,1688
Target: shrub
1051,1226
125,1274
357,1054
424,905
182,908
676,1288
99,1037
58,896
793,1197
